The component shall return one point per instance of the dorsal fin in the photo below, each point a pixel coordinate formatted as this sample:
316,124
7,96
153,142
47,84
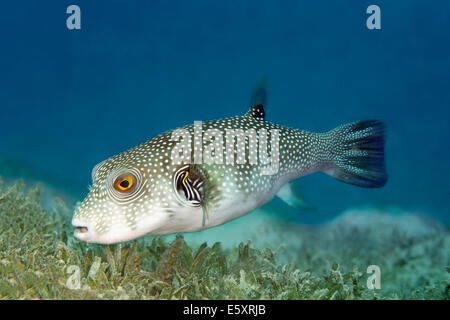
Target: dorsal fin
258,100
256,112
259,94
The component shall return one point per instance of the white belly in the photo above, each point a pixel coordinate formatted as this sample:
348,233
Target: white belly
190,219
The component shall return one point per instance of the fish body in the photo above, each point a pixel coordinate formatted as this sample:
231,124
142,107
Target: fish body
154,189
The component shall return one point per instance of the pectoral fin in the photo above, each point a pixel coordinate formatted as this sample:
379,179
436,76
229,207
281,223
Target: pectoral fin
292,196
210,193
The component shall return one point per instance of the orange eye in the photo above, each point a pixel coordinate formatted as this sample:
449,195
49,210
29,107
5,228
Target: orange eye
124,183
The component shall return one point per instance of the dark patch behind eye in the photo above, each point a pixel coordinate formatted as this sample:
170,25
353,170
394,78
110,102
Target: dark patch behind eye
191,188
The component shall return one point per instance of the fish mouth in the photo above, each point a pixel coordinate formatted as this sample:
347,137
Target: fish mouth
81,229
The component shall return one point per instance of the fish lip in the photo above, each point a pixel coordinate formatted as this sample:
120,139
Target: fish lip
82,230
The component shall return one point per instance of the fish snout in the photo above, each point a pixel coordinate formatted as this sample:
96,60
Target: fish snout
83,231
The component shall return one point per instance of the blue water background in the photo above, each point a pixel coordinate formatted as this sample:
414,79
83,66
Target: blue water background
70,99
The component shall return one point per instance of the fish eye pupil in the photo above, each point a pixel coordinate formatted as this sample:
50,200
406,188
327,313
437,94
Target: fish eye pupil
124,182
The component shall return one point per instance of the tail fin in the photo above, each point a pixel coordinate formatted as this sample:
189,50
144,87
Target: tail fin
357,154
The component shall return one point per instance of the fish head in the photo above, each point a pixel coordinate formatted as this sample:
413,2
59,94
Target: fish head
131,197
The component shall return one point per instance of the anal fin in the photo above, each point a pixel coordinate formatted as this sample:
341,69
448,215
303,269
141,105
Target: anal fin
291,195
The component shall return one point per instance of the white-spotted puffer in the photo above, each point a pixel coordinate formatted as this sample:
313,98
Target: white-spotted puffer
143,191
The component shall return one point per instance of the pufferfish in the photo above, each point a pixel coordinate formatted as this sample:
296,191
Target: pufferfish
143,191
